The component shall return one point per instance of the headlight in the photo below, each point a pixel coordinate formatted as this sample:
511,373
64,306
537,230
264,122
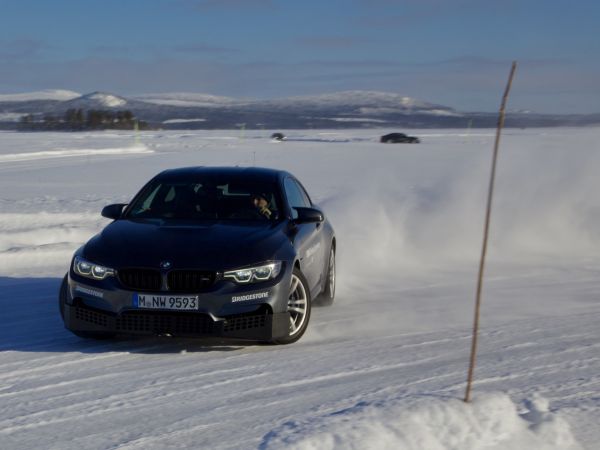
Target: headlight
254,274
91,270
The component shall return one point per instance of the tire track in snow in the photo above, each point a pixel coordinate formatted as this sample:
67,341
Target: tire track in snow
142,395
98,407
117,375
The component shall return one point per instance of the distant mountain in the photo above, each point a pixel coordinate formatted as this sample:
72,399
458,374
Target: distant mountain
48,94
349,109
360,103
187,99
98,100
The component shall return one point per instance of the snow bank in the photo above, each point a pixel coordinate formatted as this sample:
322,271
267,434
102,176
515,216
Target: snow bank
41,244
66,153
492,421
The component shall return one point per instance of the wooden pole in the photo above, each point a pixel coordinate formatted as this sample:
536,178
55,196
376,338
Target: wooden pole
486,230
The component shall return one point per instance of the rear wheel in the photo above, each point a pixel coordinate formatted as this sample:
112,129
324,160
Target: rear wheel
328,295
299,307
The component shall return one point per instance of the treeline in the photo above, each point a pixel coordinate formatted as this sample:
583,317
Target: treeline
80,120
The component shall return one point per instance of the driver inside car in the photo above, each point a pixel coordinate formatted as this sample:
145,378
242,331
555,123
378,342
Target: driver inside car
262,205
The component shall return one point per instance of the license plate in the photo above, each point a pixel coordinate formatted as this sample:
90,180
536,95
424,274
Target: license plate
170,302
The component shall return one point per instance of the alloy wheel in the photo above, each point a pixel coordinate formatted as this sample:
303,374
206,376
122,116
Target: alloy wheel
297,305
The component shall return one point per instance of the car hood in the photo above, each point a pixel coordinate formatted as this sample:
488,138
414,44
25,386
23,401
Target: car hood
209,246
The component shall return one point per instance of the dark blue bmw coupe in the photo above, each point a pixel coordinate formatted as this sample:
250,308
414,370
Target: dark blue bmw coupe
231,252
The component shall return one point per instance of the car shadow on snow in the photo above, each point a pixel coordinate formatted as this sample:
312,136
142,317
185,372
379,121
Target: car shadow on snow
31,322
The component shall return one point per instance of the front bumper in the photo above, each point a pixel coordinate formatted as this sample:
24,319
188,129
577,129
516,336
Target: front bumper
260,325
254,312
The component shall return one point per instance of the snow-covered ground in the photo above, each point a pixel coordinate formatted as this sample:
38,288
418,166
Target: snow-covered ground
384,367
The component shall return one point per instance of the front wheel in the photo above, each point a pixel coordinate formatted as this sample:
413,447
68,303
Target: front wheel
299,307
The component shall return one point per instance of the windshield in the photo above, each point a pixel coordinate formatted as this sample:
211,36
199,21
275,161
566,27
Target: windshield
211,199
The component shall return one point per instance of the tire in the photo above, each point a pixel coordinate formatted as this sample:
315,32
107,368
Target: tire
328,295
299,306
62,299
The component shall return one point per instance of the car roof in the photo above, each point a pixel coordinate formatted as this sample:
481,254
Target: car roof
255,173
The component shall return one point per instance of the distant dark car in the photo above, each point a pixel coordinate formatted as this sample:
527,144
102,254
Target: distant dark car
399,138
230,252
278,136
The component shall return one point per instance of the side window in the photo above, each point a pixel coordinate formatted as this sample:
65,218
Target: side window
307,201
295,195
148,201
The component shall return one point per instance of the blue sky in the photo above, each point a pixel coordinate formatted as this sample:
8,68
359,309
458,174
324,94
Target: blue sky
452,52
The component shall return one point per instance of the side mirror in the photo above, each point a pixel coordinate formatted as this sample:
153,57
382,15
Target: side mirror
309,215
113,211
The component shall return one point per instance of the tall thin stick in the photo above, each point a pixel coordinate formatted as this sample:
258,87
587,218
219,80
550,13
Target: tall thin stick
486,230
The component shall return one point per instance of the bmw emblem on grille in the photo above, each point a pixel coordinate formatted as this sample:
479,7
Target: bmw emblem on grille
165,265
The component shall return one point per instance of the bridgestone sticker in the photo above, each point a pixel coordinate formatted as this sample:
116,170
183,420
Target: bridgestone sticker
245,298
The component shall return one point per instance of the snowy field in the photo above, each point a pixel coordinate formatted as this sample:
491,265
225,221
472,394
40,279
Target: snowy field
385,367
